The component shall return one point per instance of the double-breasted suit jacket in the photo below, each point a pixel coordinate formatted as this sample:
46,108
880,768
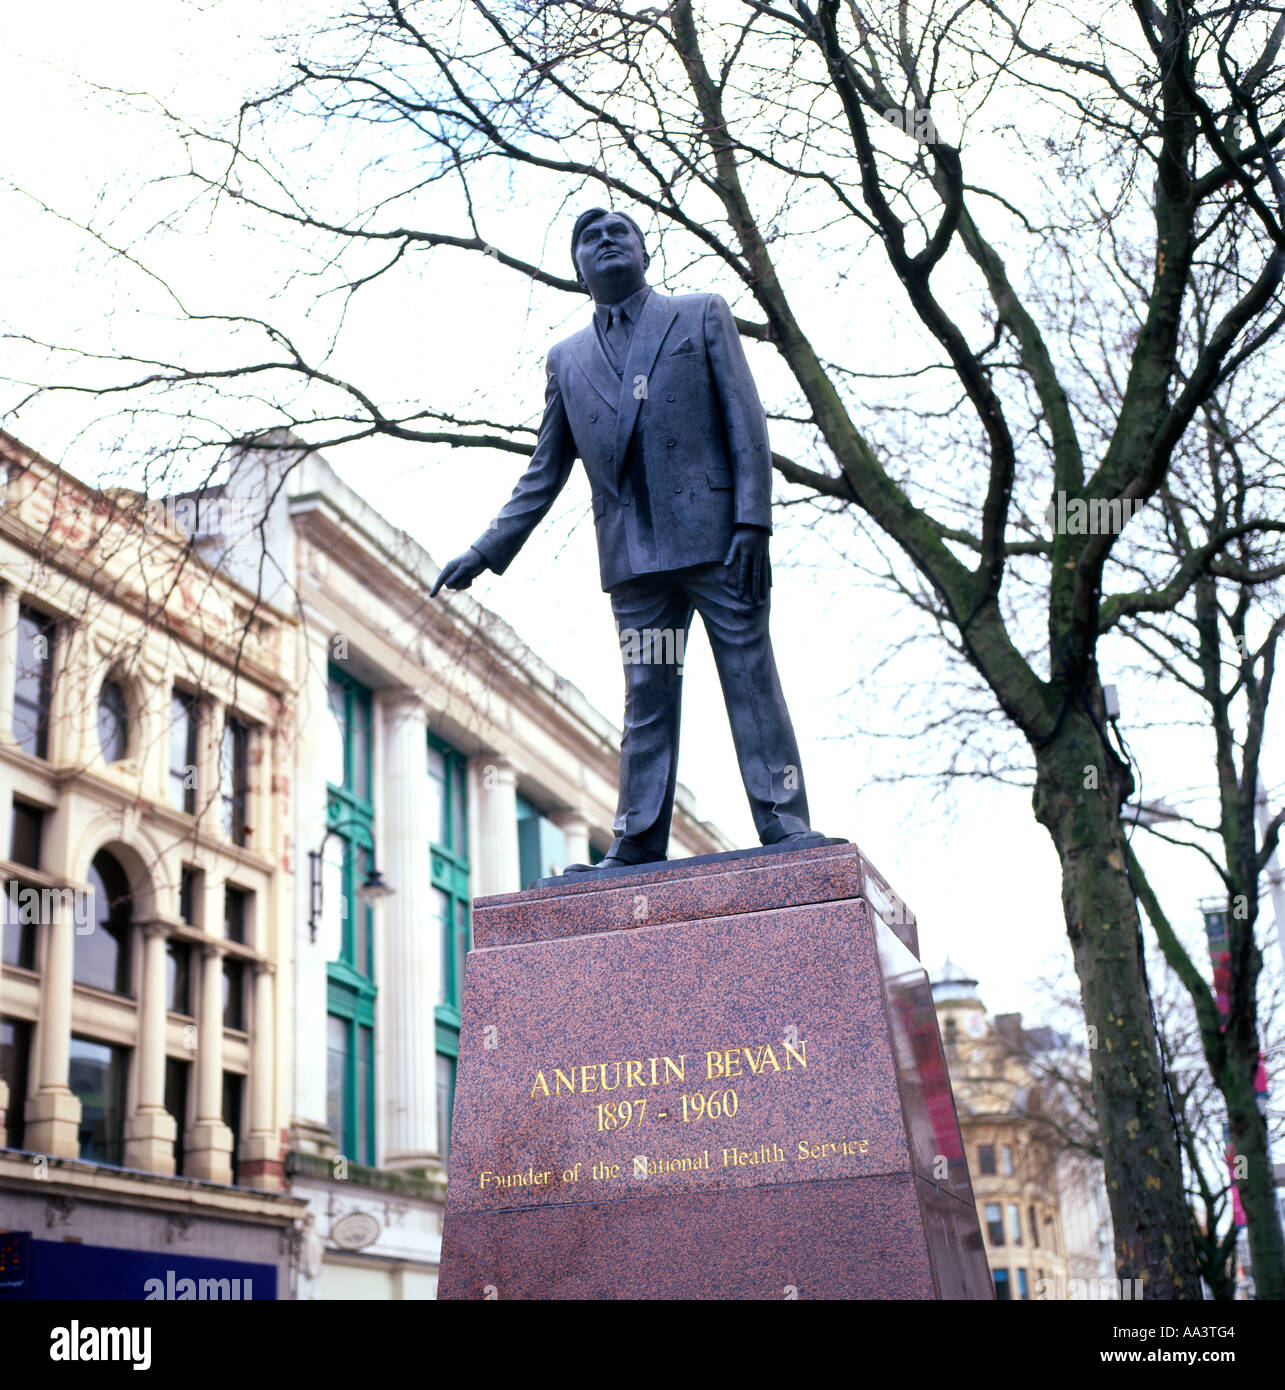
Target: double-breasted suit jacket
676,446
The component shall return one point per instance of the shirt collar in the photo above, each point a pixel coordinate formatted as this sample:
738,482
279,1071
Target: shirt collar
631,307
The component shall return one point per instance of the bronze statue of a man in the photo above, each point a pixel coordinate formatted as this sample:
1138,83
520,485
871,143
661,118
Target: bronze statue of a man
655,395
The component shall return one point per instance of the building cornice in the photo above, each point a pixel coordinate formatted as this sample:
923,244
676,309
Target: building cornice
92,1182
93,575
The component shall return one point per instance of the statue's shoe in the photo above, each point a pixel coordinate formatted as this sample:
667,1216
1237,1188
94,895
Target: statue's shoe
611,862
802,839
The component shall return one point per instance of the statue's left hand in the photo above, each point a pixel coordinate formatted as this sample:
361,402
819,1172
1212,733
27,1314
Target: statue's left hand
460,572
752,568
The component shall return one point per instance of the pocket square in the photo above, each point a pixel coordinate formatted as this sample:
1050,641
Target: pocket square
684,346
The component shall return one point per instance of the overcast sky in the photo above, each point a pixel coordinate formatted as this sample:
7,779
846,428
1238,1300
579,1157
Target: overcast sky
977,869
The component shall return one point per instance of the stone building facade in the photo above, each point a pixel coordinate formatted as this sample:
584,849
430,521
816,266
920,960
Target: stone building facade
1043,1210
144,822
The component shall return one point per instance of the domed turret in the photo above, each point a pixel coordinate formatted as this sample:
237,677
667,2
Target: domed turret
959,1006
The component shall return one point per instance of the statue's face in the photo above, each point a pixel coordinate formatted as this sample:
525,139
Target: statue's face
611,259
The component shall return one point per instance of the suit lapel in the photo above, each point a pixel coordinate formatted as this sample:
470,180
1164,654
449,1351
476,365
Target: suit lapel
658,314
592,361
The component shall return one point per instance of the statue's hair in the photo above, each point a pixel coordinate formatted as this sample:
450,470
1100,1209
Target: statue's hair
591,215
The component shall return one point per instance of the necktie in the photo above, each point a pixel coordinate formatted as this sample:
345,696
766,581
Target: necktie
617,334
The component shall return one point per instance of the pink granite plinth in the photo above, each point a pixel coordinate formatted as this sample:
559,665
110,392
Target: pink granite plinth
724,1082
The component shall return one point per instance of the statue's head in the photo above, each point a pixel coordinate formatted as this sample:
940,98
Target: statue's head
610,258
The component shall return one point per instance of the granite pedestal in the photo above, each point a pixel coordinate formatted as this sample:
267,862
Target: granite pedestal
713,1079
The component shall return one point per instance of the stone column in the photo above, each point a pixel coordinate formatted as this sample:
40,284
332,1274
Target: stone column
53,1112
154,753
150,1131
412,960
8,658
72,705
209,1145
256,778
497,860
261,1164
267,829
575,827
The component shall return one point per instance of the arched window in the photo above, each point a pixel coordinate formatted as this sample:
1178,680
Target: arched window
113,721
102,942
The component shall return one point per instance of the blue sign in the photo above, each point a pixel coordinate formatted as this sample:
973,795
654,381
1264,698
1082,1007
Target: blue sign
50,1269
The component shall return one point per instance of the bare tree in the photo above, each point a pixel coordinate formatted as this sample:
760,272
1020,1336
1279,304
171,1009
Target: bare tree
1219,645
1050,188
1205,661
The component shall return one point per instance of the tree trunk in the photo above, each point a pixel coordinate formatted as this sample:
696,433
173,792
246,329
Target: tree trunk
1214,1262
1078,794
1253,1169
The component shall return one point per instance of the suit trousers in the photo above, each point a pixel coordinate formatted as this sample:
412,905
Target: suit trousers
653,617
